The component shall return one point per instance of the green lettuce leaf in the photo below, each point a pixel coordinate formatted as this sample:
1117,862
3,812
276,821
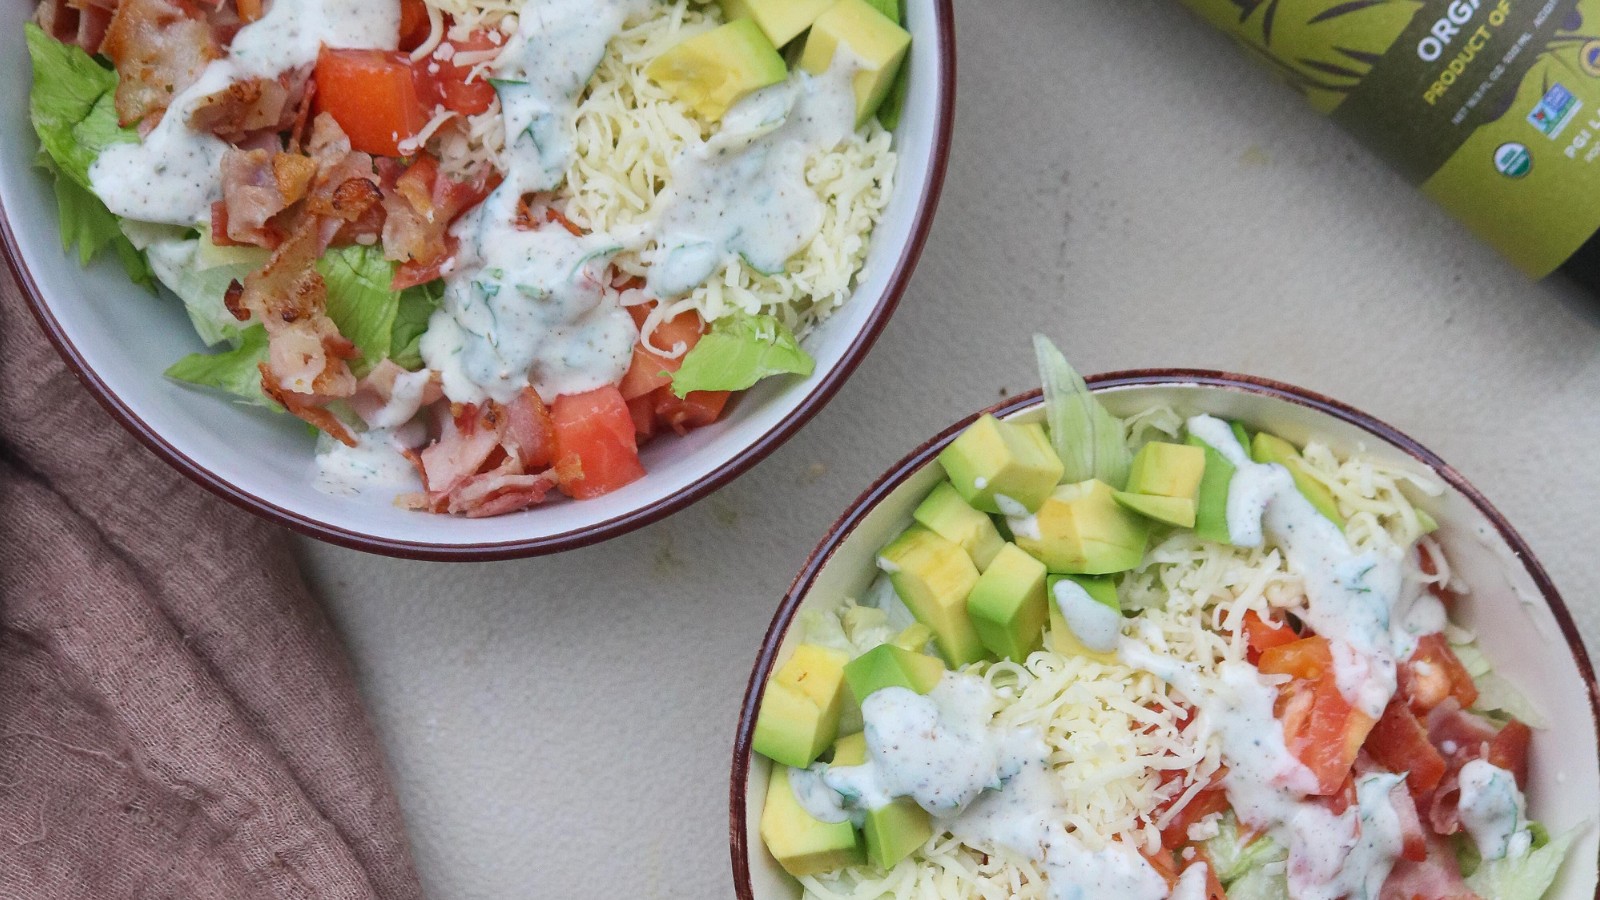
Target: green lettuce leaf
1523,878
360,300
1089,439
236,372
740,352
1233,857
71,105
201,288
417,305
1261,884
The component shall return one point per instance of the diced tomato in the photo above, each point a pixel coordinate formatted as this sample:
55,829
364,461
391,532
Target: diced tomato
1261,634
1214,890
1433,673
1509,750
1211,800
643,410
372,94
1165,862
650,370
1320,727
442,82
595,430
414,25
412,273
695,410
1399,743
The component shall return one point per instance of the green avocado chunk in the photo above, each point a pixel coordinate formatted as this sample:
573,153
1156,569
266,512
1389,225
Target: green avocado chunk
1002,459
1269,448
1167,470
1211,510
713,70
780,20
1007,605
878,44
801,844
948,515
887,665
933,577
1177,511
800,709
895,831
1062,638
1082,530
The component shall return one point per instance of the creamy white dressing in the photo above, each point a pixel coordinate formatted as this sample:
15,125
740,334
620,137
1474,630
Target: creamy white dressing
815,797
1095,624
1493,811
1010,507
743,193
375,466
531,308
989,787
174,174
405,400
1350,595
1191,884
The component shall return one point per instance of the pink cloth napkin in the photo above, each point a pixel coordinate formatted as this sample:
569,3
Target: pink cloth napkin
177,717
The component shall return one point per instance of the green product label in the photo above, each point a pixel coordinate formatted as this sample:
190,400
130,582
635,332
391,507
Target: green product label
1492,107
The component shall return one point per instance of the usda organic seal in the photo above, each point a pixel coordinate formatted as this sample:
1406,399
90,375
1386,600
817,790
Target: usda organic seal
1513,160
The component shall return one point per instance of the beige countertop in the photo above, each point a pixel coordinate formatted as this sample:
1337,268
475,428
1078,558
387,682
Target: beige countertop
1123,180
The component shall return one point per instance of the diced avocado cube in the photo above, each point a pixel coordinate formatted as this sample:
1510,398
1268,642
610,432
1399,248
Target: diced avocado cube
1269,448
1167,470
892,832
948,515
1211,509
895,831
780,20
800,710
1002,459
1177,511
712,71
933,577
1007,605
879,46
889,666
802,844
1082,530
1062,638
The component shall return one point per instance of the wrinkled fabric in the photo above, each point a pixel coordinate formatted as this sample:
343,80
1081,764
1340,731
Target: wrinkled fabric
177,717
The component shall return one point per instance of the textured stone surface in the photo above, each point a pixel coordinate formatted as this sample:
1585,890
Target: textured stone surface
1123,180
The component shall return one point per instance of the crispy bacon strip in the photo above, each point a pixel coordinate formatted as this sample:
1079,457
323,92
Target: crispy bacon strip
252,105
79,22
257,185
420,203
159,48
488,460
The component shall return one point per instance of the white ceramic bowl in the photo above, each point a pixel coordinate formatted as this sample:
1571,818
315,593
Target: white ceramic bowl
1520,620
119,339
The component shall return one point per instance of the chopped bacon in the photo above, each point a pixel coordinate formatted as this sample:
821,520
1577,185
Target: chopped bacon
1461,737
1435,877
257,186
469,435
251,106
307,407
82,23
489,459
529,434
420,203
376,391
159,48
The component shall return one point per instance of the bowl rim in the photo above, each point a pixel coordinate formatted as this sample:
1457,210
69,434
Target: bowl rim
845,526
760,448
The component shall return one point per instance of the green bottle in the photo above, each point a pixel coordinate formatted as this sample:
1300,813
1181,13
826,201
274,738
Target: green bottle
1491,107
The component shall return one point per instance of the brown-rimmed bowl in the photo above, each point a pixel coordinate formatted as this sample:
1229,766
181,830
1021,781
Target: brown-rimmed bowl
1519,618
118,339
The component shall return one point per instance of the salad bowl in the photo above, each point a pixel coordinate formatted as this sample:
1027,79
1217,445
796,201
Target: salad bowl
1520,620
119,338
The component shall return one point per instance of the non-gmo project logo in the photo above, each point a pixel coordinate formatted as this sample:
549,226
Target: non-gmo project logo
1554,111
1513,160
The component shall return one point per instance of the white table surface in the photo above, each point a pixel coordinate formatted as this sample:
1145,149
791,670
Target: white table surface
1121,179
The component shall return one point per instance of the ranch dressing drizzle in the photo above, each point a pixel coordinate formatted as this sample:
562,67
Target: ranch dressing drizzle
989,787
531,308
1330,855
1351,595
823,803
174,174
1093,623
373,467
743,193
1492,811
